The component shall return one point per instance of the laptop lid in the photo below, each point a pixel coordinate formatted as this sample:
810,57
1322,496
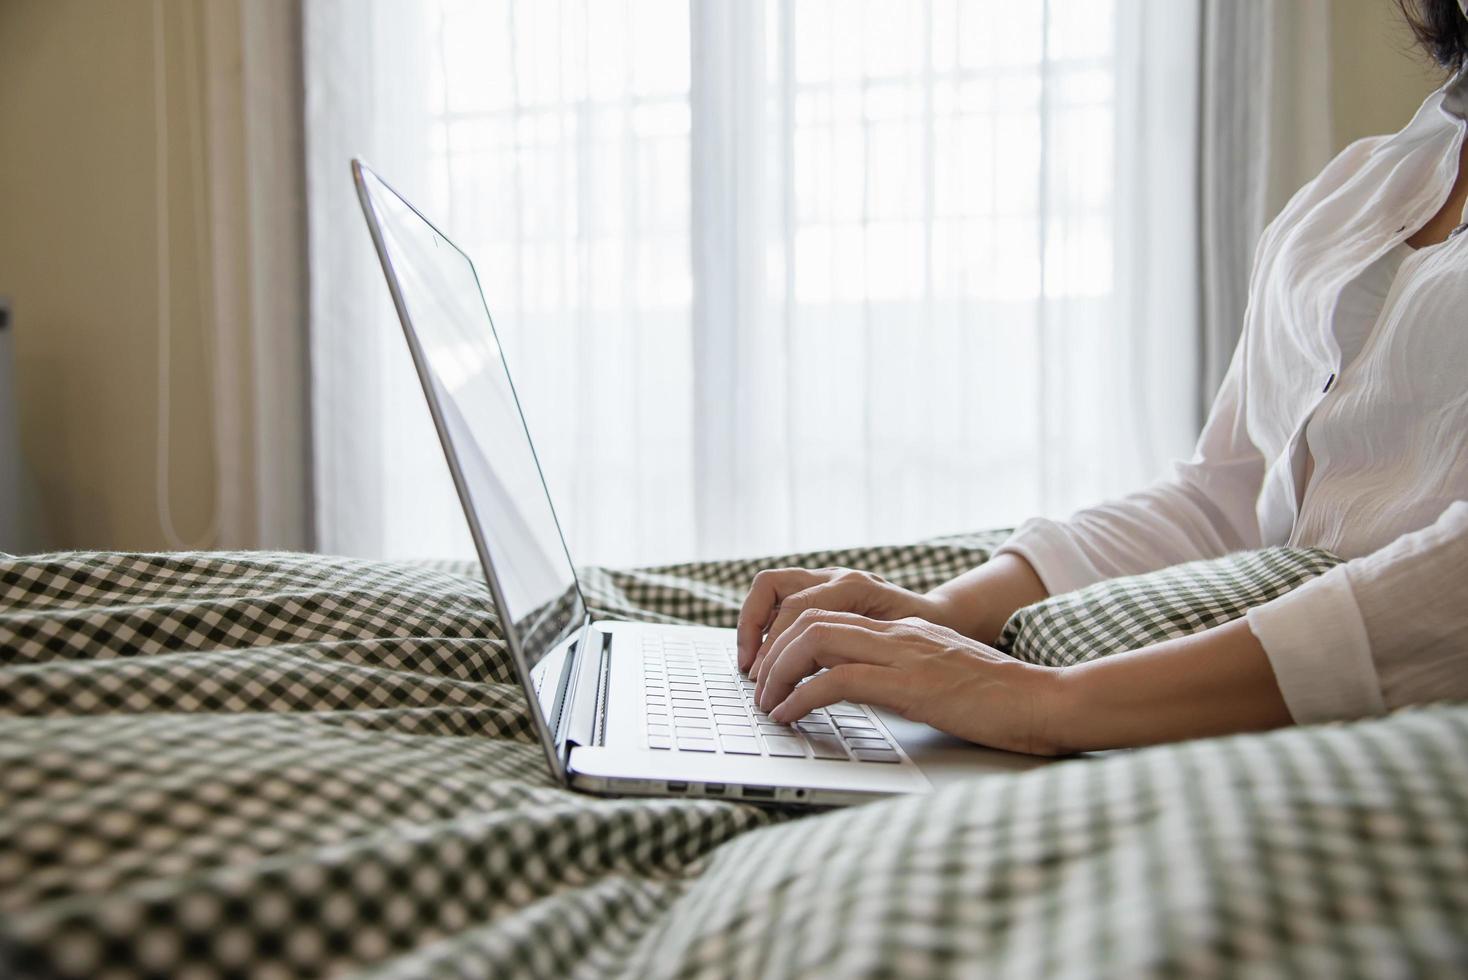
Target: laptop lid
466,379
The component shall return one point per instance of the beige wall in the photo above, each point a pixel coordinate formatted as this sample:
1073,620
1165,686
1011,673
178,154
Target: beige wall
1378,77
78,260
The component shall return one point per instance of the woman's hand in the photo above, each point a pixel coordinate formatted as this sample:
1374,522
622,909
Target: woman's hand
923,672
779,596
1217,682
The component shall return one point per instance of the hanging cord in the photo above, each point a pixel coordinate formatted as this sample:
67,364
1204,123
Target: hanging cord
163,458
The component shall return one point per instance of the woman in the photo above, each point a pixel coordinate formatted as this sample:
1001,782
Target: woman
1342,424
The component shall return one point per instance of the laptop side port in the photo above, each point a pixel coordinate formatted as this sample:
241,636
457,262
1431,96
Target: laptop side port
758,792
713,789
677,787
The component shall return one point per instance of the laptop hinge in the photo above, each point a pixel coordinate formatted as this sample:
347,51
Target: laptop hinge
579,716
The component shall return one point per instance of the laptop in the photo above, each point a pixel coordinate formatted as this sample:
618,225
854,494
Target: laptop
620,708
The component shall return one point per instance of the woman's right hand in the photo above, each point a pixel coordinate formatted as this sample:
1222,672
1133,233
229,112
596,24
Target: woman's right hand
778,596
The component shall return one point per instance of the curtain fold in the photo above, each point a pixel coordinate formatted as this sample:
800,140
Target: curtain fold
228,173
1265,130
252,90
770,276
365,79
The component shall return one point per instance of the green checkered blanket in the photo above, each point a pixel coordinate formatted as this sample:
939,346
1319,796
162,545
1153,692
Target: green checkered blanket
282,765
1129,613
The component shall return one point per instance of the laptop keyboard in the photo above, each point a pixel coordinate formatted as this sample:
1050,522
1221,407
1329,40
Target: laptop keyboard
697,701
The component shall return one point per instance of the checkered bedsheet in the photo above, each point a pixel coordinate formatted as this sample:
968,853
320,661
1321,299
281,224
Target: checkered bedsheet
282,765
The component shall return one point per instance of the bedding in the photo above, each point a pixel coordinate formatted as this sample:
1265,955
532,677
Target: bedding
1121,614
282,765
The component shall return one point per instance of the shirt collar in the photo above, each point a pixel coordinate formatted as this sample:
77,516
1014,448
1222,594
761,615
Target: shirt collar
1455,95
1442,113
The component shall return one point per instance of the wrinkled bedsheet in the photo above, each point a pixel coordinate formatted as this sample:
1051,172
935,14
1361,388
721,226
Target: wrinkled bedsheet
282,764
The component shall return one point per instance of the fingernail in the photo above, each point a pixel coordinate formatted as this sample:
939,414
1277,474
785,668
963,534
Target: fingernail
778,715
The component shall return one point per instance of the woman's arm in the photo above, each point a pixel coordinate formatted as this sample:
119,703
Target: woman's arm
1379,632
980,601
1211,683
1217,682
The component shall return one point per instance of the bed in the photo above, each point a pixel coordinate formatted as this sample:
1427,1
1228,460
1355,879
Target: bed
258,764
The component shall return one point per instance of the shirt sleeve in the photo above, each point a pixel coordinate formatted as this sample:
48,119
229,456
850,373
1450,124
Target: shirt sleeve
1382,631
1205,510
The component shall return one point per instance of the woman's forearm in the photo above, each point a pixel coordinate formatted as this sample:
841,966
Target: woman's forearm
979,602
1217,682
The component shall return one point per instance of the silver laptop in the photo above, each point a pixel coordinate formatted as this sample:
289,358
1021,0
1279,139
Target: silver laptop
619,707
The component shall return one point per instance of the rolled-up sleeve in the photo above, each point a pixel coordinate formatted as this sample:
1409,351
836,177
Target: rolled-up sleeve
1383,631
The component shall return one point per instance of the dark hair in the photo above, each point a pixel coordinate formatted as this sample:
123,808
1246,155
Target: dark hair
1440,28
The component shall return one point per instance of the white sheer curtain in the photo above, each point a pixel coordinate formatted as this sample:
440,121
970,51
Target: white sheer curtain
866,271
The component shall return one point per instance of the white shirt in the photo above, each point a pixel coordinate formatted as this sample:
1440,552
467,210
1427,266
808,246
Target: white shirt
1354,353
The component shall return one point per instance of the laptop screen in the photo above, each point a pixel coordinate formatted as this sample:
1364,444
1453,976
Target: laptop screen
488,442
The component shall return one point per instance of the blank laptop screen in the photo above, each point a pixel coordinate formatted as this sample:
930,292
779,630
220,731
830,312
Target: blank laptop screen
490,443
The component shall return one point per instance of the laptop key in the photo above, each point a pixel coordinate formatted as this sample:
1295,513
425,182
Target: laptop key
826,747
846,710
784,745
696,744
869,743
739,744
852,731
768,729
658,730
659,742
815,727
875,755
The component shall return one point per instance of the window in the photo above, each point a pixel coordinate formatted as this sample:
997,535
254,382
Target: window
777,276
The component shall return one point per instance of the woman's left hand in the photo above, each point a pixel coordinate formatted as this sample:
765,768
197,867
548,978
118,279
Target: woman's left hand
923,672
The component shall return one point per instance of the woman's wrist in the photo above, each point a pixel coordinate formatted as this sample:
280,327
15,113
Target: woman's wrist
1042,707
1065,712
947,610
978,603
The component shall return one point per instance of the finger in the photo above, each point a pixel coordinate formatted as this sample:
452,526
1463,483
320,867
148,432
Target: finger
857,682
803,622
832,639
760,670
760,605
771,692
834,595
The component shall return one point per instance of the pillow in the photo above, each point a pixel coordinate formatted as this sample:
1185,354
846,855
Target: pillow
1126,613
